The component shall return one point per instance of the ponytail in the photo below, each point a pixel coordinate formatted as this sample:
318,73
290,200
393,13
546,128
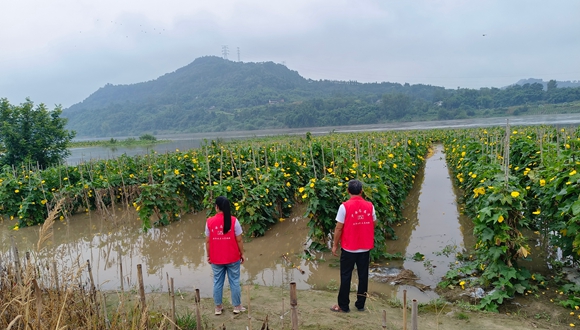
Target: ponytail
223,205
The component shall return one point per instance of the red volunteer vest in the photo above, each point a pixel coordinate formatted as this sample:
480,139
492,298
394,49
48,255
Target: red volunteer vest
223,248
359,228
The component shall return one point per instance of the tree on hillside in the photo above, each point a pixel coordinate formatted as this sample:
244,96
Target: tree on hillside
34,135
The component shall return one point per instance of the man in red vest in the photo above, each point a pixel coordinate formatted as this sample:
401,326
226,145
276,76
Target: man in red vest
355,230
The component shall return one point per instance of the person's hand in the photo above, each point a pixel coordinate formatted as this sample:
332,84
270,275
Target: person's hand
334,248
242,258
208,260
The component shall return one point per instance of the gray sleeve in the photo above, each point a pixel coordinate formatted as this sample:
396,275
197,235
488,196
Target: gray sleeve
238,228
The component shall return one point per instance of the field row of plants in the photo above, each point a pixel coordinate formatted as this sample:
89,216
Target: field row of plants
515,179
262,178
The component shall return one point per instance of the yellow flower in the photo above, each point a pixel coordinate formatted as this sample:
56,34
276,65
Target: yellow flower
391,156
16,191
176,172
312,185
500,219
276,164
394,165
15,227
462,283
43,201
329,170
287,184
474,175
573,172
536,212
282,219
515,194
463,154
301,189
131,175
229,188
542,182
304,196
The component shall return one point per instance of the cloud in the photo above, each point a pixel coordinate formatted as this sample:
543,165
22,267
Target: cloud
61,51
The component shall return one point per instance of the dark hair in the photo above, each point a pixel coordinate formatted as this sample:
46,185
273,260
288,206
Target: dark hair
223,205
354,187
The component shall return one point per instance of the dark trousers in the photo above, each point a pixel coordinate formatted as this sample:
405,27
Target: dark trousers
347,262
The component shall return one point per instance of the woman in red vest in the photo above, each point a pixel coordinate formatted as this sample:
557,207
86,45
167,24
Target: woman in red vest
225,253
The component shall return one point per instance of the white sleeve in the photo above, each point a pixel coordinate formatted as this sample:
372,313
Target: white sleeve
374,214
341,214
237,228
206,230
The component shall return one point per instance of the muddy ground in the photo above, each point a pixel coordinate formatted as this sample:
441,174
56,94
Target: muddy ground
314,312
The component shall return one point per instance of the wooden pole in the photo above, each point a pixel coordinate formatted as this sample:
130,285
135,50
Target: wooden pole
55,272
414,311
293,304
120,267
404,309
16,260
141,286
384,318
144,317
172,292
93,289
197,311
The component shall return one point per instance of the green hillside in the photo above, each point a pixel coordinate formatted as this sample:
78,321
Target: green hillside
214,94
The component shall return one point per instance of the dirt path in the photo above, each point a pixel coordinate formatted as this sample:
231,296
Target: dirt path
314,313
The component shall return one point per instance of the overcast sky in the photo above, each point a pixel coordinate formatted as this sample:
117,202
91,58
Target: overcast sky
61,51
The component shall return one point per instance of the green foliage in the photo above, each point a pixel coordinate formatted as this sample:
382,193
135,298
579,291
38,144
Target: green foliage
147,137
32,135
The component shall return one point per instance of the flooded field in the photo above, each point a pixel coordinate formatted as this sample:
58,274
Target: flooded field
194,140
116,244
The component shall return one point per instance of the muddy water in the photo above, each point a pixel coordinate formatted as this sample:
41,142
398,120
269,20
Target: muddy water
434,227
178,250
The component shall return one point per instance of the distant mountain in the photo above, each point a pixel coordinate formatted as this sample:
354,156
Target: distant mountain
214,94
561,84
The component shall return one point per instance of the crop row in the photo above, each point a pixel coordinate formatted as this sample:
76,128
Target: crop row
263,178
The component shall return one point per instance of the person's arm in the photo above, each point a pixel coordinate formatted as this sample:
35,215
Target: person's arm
337,235
240,241
207,249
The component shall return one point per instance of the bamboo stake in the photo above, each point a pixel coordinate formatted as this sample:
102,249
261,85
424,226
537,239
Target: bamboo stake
93,291
120,267
282,316
55,274
208,175
173,324
312,157
16,260
249,309
404,309
197,311
141,287
385,319
293,304
414,311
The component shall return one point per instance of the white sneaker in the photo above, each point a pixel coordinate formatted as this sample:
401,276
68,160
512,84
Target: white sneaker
218,310
239,309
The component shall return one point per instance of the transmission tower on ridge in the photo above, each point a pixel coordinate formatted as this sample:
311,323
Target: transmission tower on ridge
238,54
225,52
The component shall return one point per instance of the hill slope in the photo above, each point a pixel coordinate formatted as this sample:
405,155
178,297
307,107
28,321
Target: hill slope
208,94
213,94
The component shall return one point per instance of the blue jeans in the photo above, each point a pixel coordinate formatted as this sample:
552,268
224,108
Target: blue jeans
219,276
